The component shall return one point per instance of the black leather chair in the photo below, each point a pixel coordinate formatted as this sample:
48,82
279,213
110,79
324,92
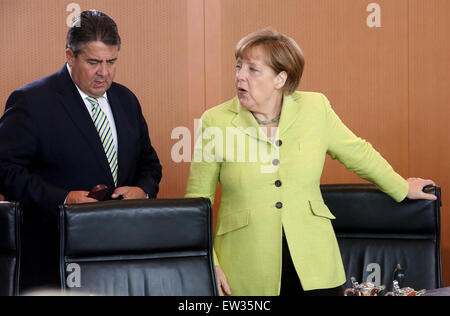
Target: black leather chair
10,220
375,234
138,248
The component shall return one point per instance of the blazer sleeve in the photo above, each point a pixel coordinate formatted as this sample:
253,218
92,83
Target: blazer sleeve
149,169
204,171
359,156
19,141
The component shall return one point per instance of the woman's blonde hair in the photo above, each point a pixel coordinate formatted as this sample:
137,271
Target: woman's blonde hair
282,54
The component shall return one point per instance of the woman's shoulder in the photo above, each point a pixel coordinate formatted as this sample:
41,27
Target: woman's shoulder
224,110
310,101
309,96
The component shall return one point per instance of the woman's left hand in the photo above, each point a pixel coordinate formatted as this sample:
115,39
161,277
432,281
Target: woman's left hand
416,186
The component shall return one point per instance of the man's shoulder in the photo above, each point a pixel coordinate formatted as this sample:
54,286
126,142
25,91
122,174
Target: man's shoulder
123,93
125,98
40,85
43,87
121,90
38,92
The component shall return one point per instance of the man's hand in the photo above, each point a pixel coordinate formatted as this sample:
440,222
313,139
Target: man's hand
129,193
76,197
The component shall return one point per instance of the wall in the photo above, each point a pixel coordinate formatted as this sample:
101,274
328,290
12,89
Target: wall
389,84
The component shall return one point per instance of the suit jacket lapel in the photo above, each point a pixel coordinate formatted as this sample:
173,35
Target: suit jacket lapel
121,128
76,109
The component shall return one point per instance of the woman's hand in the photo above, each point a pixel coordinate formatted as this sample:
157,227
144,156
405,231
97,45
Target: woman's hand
222,283
416,186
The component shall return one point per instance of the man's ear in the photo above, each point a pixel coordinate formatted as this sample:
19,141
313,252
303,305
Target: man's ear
70,57
280,79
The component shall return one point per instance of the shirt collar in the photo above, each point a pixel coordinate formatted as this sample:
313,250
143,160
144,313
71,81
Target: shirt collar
82,94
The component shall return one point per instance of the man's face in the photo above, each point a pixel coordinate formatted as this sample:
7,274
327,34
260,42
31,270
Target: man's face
94,68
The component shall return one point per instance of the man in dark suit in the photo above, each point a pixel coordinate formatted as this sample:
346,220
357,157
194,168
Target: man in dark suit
63,134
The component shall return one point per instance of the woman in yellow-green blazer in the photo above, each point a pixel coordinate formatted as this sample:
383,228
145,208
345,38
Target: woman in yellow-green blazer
266,148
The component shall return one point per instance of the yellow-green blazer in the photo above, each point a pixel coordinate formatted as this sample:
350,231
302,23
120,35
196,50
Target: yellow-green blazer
279,188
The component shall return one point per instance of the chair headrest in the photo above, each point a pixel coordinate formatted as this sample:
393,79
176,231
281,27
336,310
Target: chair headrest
365,208
135,226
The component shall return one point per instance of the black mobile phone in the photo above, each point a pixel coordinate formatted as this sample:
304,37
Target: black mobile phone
98,192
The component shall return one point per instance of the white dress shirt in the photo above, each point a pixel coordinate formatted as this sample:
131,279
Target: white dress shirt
104,105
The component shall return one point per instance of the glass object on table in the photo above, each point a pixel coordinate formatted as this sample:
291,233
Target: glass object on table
399,274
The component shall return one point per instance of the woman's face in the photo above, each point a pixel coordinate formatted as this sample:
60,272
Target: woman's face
258,86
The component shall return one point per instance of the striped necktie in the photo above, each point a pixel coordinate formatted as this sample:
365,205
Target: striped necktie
104,130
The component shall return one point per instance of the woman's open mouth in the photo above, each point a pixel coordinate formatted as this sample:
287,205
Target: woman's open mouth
242,91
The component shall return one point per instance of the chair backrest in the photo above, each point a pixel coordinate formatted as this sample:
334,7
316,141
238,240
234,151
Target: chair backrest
138,248
10,220
375,234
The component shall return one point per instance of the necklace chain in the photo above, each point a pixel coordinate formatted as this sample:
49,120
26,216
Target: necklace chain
274,120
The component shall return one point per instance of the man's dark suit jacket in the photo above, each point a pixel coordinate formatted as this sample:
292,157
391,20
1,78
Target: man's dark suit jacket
50,146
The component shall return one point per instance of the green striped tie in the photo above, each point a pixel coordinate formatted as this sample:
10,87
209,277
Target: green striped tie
105,133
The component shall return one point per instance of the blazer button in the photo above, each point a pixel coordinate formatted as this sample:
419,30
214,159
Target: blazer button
279,142
279,205
275,162
278,183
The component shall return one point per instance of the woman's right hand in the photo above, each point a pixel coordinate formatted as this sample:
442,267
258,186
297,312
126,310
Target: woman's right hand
222,283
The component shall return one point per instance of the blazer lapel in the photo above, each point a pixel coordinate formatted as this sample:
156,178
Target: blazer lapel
76,109
289,112
245,122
